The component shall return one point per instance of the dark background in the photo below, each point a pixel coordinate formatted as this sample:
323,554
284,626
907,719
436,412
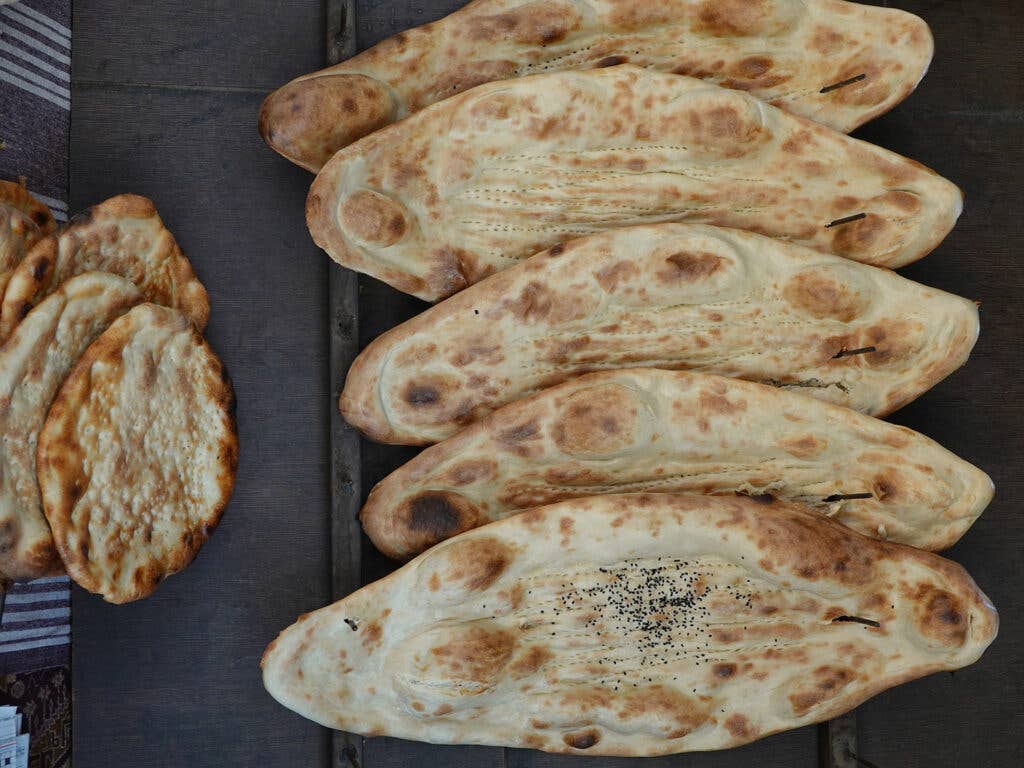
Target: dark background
165,96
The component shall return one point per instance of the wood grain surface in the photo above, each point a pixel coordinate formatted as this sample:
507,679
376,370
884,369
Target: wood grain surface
165,100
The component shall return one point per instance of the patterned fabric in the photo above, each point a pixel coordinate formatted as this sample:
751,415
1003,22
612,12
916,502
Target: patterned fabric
35,97
35,111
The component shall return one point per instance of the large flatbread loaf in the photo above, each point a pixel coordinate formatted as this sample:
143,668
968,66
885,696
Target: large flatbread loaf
33,364
478,182
631,625
138,454
123,235
838,63
23,221
666,296
652,430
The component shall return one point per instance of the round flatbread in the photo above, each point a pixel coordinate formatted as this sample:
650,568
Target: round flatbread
137,457
33,363
124,236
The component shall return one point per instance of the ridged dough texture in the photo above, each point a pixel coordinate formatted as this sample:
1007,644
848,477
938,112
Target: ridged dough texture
137,457
661,431
666,296
33,364
23,221
838,63
123,235
631,625
476,183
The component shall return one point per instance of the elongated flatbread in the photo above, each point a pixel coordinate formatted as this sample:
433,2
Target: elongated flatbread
138,454
631,625
651,430
838,63
23,221
124,236
474,184
666,296
33,363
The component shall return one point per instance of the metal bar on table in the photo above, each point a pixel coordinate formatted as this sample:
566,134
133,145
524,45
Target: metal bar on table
343,291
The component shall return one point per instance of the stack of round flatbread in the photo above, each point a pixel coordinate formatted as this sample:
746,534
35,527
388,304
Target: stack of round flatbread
118,425
658,511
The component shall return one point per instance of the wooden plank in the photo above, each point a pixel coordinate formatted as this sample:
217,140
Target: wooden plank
343,289
838,742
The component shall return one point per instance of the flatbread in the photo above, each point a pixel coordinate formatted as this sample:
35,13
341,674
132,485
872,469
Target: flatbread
838,63
631,625
124,236
472,185
23,221
33,363
651,430
137,457
666,296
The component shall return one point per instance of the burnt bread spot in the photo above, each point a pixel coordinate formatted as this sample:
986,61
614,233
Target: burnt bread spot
477,655
942,616
739,727
531,661
539,23
827,682
726,18
420,395
374,218
724,671
611,61
821,294
690,266
472,564
601,420
582,739
434,516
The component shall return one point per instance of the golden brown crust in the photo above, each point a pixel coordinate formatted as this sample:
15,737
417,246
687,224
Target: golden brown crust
138,455
487,178
673,296
675,432
18,197
124,236
33,364
838,63
23,221
631,625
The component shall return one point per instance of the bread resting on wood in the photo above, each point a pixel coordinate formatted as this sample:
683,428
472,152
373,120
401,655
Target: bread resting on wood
476,183
666,296
652,430
631,625
838,63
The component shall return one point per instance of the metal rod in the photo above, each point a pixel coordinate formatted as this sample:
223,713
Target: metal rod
844,83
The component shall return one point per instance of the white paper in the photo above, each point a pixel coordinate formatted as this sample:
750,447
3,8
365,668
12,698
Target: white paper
21,751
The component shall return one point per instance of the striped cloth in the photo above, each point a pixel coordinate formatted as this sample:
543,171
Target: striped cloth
35,104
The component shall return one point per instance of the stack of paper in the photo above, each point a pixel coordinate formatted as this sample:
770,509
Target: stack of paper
13,743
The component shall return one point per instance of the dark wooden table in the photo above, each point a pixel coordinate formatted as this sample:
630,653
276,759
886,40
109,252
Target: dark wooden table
165,100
